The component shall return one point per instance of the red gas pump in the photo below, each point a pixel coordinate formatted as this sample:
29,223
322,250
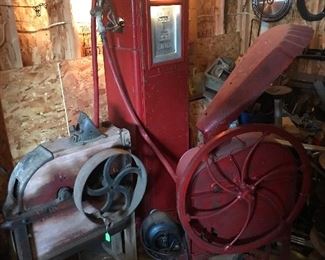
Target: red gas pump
242,188
150,54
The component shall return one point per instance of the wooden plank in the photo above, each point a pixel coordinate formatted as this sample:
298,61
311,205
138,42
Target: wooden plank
219,17
65,41
205,18
10,57
49,36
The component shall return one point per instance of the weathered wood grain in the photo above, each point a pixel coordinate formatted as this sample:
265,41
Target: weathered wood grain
77,86
32,106
39,102
10,57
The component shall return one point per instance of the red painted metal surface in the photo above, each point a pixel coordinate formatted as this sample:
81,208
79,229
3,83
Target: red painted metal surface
158,94
242,189
271,54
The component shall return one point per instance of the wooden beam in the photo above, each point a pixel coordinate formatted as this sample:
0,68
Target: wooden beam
10,56
219,17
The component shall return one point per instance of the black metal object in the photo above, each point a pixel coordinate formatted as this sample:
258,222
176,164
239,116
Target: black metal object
162,237
308,16
271,10
85,130
313,54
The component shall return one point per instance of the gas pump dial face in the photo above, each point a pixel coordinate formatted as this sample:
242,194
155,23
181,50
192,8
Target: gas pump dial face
166,32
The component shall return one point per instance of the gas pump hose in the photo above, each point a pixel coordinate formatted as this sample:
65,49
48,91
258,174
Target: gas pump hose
94,66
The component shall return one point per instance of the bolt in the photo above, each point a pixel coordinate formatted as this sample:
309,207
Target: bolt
215,188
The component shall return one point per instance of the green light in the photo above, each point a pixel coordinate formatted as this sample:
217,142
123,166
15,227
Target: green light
107,237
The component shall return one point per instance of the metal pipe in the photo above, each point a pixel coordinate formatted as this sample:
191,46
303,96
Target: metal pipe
95,66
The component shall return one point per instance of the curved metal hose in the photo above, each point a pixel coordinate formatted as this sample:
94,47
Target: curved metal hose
95,66
112,64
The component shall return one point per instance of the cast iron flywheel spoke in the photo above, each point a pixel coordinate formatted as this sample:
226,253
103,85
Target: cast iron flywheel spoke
212,170
124,173
251,205
215,212
279,169
108,202
249,157
126,194
97,192
272,200
240,140
236,165
108,180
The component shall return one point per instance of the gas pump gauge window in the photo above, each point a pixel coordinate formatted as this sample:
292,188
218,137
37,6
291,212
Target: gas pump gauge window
166,32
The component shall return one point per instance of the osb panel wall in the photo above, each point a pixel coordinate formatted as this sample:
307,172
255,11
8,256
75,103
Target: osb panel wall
205,51
5,155
50,36
205,44
40,102
10,57
32,106
78,91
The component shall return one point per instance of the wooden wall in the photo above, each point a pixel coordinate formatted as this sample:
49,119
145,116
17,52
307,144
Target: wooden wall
40,102
10,56
245,14
51,35
208,34
233,39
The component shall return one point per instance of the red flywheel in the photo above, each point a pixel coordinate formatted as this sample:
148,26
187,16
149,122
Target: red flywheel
242,189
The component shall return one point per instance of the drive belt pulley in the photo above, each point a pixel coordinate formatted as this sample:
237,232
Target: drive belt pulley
110,186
